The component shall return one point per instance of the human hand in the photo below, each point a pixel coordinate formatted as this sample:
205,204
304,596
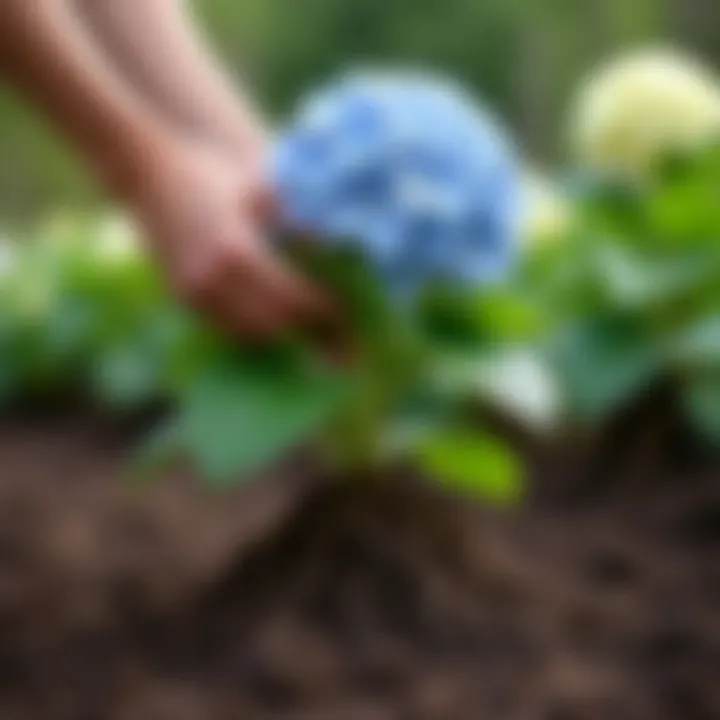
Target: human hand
206,218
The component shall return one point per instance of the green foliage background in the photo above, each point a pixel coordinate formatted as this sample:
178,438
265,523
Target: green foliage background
524,56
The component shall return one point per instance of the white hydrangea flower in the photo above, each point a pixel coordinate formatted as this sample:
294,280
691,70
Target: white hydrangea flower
641,106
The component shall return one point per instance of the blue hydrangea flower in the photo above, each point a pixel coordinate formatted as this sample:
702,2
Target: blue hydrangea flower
407,169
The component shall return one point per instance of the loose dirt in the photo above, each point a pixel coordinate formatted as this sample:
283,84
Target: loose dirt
296,599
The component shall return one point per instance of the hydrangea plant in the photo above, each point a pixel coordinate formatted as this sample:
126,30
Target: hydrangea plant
404,194
632,291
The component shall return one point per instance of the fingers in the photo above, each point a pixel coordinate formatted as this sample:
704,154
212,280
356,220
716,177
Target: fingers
287,301
248,292
253,314
220,287
300,300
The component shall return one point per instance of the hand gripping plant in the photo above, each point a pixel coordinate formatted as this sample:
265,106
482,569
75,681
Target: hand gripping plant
401,195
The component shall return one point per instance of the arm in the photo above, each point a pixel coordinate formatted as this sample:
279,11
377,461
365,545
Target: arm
200,211
45,55
156,45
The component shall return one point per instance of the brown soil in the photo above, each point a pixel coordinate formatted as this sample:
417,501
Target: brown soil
292,599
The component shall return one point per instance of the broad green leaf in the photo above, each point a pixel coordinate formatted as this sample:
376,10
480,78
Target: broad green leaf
474,464
241,414
451,320
634,281
604,364
617,207
69,331
127,376
471,320
511,316
683,205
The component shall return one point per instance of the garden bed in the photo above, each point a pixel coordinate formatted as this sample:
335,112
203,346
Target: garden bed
299,599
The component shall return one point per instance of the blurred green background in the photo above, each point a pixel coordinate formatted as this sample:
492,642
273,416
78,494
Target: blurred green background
524,56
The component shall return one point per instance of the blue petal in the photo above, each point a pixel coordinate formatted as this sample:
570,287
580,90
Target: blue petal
408,169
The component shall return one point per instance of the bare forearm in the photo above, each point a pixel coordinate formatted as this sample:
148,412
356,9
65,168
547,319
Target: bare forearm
199,207
45,53
156,45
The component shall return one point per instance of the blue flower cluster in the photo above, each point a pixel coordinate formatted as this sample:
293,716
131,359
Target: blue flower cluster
406,168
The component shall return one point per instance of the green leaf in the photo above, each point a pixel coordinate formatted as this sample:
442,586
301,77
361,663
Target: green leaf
634,281
450,319
609,205
683,206
241,414
474,464
604,363
466,320
509,315
127,376
69,330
